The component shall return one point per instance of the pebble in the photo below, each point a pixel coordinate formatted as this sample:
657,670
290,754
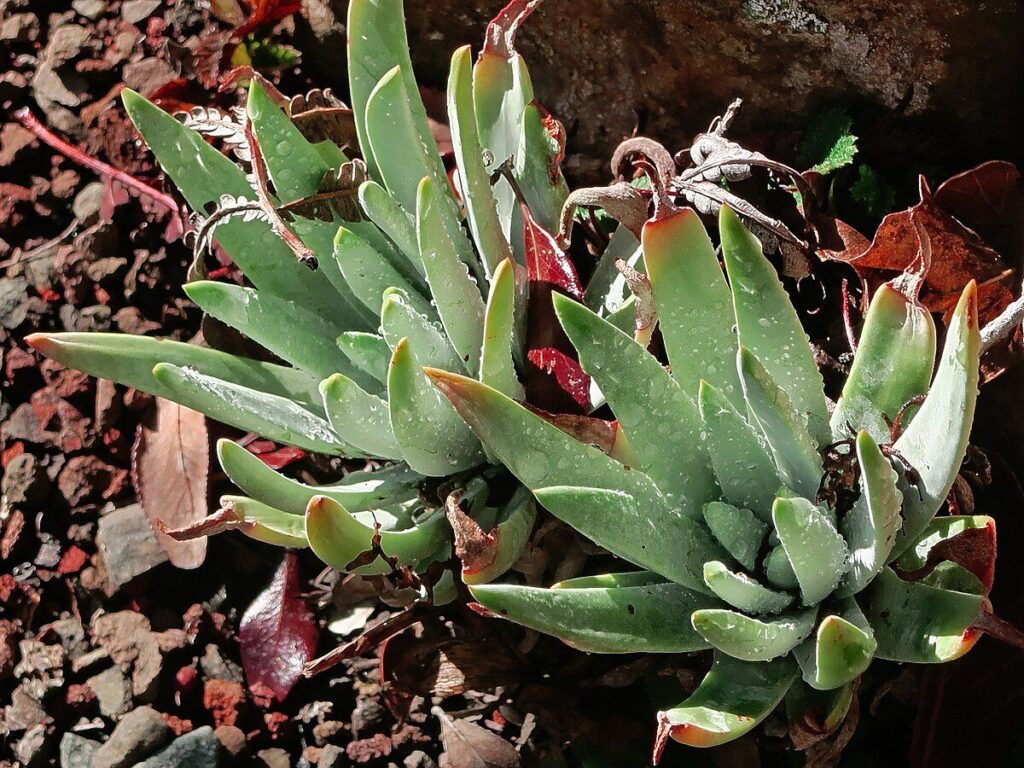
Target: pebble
113,691
87,203
275,757
77,751
128,545
31,748
197,749
232,738
135,11
91,9
332,756
140,733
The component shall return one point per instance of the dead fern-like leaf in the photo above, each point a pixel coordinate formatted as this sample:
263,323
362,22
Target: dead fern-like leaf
336,198
321,116
228,207
212,122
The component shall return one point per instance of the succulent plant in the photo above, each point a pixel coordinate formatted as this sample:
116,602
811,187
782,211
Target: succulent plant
359,273
791,541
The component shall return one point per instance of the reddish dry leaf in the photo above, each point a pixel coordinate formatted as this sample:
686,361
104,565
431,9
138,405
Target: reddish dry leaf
982,195
974,549
265,13
170,462
278,634
554,380
468,745
274,456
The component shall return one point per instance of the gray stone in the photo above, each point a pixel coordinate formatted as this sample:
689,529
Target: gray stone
77,751
332,756
91,9
197,749
31,748
113,691
88,202
275,757
25,481
216,667
128,545
135,11
140,733
419,759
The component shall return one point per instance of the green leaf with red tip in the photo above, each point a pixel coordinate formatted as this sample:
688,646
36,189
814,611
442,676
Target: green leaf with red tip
481,210
275,418
537,166
738,530
654,618
732,699
769,327
935,442
338,538
377,43
433,439
296,169
743,592
660,420
506,541
816,551
497,366
793,448
840,650
359,418
920,623
752,639
265,523
456,293
130,360
358,491
741,461
694,304
203,174
384,211
369,274
893,365
369,353
870,527
400,320
259,316
619,508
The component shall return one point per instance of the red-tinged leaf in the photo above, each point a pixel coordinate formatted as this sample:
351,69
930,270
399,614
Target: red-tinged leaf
265,13
468,745
554,379
982,195
586,429
170,462
475,547
974,549
278,634
274,456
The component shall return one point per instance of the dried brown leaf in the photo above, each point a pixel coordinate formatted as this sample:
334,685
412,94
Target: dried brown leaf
468,745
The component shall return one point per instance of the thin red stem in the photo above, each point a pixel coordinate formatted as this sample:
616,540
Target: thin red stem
31,123
851,337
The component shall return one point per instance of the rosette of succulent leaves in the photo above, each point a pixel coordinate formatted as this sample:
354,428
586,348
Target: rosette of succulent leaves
795,544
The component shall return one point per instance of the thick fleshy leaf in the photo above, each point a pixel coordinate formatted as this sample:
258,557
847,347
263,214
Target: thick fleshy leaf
278,633
769,327
814,547
870,527
738,530
610,580
377,43
732,699
743,592
358,491
839,651
433,439
261,317
644,619
742,464
920,623
203,174
296,169
497,551
477,197
619,508
369,353
935,442
606,289
399,320
659,419
275,418
750,639
893,365
338,538
537,166
359,418
129,360
369,274
455,291
779,570
386,213
497,366
264,523
694,304
793,447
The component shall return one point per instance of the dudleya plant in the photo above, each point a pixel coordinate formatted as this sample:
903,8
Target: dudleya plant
767,529
361,274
